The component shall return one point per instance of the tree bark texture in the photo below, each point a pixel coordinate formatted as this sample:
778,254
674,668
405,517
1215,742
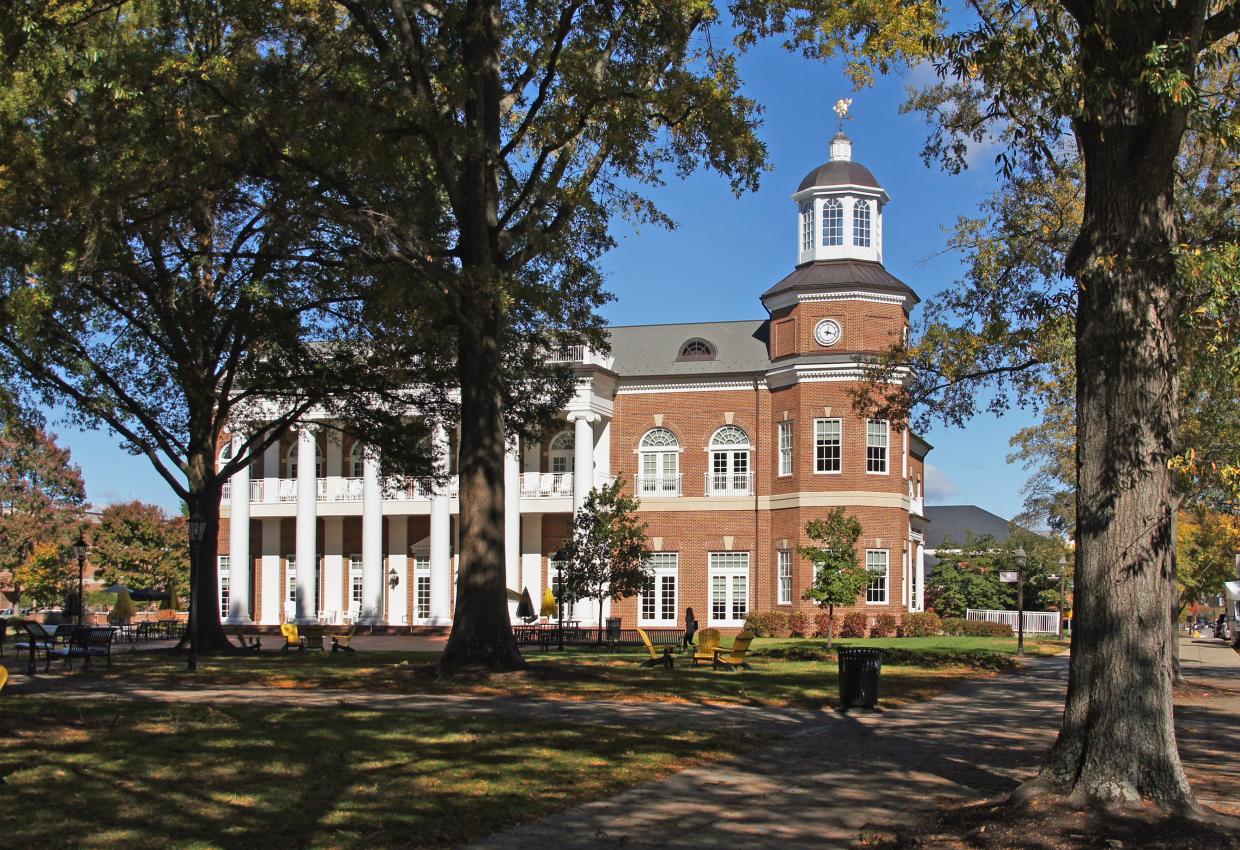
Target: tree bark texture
481,628
204,601
1117,743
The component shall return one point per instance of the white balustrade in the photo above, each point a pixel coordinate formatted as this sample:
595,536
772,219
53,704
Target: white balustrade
256,490
546,485
657,486
729,484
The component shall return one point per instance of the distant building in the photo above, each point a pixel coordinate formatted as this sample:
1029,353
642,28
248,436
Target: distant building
957,523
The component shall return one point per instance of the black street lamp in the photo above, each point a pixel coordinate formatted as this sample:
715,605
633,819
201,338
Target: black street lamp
1021,560
197,528
79,551
560,557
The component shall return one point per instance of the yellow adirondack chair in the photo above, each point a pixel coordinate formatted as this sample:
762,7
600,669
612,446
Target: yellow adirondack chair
4,677
731,659
708,642
340,643
655,658
292,640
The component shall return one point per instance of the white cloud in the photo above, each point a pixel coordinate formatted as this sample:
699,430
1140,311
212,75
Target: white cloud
938,485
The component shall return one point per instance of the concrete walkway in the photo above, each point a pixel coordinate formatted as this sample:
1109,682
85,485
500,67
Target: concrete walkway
822,785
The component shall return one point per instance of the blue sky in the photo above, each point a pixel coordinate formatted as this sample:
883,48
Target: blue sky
727,250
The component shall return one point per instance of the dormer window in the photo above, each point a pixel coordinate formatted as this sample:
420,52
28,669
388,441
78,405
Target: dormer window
861,224
807,227
832,223
697,349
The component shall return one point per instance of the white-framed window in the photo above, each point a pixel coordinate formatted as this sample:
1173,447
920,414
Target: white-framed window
292,460
225,574
876,564
832,223
697,349
225,455
877,438
784,559
729,463
659,464
561,453
729,588
828,445
658,602
290,578
807,227
356,594
357,461
785,448
422,587
861,224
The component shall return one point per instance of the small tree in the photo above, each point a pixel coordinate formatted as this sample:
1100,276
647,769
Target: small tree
47,575
138,545
607,556
124,610
838,577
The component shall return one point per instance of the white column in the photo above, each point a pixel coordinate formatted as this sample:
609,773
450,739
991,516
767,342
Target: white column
271,473
307,520
920,567
583,457
398,559
512,519
372,541
334,581
273,594
441,543
239,543
531,557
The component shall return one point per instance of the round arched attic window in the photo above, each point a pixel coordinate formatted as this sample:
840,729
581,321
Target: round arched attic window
696,349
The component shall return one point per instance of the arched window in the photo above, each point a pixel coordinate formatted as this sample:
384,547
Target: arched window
357,458
226,454
832,222
729,463
697,349
807,227
861,224
561,452
292,460
659,464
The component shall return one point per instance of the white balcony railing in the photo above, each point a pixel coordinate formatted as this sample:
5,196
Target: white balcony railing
346,490
256,491
546,485
656,486
570,354
417,489
729,484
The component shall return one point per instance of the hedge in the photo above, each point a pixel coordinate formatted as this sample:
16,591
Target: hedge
957,626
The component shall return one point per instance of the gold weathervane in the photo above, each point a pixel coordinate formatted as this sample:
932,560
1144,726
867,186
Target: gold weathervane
841,110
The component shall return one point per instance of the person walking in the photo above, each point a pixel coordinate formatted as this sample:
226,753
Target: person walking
691,627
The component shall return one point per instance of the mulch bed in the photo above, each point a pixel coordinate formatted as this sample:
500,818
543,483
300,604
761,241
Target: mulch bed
1051,825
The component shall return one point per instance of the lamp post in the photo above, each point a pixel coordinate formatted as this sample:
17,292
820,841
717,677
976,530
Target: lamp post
1021,560
197,528
1063,574
79,551
559,597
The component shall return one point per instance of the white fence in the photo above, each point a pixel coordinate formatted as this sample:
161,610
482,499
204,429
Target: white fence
1036,622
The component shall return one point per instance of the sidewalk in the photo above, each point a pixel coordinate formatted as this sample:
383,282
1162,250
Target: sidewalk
821,786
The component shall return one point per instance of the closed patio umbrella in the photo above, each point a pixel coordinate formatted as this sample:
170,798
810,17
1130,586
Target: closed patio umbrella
525,608
548,604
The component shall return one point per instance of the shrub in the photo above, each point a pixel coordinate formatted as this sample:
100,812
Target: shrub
854,625
885,626
957,626
798,624
821,626
922,624
767,624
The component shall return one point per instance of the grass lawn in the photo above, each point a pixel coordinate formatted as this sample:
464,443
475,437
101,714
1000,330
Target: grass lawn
136,775
786,672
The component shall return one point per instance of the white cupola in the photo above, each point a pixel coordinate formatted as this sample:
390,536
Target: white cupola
840,210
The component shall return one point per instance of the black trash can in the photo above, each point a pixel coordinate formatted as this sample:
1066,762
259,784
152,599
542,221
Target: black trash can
613,629
859,669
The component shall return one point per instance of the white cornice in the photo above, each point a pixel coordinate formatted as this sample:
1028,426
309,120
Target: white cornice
694,384
814,373
788,299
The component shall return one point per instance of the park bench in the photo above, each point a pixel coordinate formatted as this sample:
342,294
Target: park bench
85,642
38,639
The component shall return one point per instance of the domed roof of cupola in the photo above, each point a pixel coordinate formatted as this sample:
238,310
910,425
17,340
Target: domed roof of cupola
840,170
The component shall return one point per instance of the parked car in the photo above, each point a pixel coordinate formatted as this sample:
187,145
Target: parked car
6,612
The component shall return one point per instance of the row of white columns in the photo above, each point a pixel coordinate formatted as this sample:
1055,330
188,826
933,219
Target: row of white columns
373,577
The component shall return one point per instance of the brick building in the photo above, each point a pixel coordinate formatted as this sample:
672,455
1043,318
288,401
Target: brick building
733,434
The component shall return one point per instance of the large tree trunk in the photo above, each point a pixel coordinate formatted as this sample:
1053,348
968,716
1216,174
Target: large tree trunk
481,629
204,601
1117,743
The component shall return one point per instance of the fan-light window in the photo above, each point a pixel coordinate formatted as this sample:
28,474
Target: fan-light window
697,349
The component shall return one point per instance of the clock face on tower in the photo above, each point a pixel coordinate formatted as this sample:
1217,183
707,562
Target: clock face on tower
827,332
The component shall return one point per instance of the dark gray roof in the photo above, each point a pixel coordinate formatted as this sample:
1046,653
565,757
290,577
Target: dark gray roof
653,349
957,522
839,172
842,275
